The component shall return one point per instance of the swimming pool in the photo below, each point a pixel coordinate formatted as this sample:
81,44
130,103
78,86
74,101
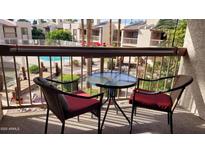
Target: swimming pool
46,58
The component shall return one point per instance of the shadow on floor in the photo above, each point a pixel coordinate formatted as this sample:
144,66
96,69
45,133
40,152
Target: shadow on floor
146,121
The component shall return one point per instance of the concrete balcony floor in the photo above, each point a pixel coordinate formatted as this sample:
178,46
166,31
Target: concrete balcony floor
146,121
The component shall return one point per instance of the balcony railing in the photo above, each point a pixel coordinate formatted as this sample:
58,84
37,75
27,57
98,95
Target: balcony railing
9,41
96,38
156,42
130,41
39,42
140,62
93,38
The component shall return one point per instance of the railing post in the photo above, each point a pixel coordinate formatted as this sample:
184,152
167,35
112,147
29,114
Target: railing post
1,110
1,81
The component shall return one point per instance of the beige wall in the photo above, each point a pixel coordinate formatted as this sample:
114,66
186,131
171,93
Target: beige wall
144,36
1,34
105,34
194,64
23,25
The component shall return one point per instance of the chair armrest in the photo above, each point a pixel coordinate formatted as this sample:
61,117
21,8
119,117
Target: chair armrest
67,82
151,80
158,92
79,96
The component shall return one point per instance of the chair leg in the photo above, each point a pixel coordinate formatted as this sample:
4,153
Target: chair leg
171,123
168,118
133,110
63,126
99,118
46,126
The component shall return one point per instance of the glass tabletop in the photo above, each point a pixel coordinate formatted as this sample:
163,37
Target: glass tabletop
112,79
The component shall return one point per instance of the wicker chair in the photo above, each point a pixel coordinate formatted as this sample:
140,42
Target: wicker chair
67,105
160,100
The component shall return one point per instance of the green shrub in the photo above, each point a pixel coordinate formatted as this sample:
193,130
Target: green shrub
68,77
34,69
59,34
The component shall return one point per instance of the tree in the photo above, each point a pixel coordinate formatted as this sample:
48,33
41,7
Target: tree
180,33
23,20
174,29
166,24
37,33
59,35
34,22
110,32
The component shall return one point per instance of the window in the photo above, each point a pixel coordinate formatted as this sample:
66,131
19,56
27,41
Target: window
24,31
9,32
115,35
131,34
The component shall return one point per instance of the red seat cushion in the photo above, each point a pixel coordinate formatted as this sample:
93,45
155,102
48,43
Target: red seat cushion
158,102
77,106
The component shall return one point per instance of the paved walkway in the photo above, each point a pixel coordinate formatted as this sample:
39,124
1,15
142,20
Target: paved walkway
146,121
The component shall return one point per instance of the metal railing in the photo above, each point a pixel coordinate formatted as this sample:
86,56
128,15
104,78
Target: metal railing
96,38
38,42
140,62
130,41
156,42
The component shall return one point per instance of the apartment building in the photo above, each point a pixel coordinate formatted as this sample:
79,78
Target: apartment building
54,24
142,34
12,32
101,31
139,34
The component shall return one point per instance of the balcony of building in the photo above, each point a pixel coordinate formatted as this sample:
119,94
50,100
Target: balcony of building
28,115
129,38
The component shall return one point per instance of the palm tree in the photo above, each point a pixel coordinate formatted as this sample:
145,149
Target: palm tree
118,33
110,39
83,38
119,59
89,34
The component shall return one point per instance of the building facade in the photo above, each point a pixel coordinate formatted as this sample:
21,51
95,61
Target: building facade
12,32
142,34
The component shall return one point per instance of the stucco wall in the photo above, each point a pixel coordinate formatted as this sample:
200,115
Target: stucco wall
143,38
105,32
194,64
1,34
24,25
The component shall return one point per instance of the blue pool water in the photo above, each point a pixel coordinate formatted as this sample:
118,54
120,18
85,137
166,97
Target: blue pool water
46,58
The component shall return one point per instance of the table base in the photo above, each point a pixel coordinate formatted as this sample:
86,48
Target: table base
111,99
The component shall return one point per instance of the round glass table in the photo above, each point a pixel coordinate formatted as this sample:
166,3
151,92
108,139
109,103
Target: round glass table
112,81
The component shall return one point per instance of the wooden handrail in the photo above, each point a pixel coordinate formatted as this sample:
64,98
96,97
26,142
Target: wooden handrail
23,50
